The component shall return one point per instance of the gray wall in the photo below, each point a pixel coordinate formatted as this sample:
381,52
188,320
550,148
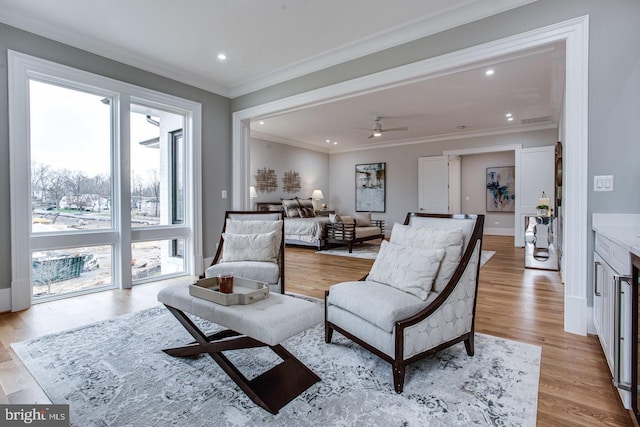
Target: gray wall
216,129
402,169
473,189
614,86
312,166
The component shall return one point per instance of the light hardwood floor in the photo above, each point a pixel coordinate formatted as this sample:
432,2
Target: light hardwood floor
513,302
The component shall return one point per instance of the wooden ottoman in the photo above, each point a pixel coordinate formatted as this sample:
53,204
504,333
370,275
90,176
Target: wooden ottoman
264,323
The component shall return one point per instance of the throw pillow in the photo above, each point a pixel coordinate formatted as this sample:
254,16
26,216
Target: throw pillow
334,218
250,247
433,238
346,219
409,269
306,212
290,207
237,226
363,219
306,203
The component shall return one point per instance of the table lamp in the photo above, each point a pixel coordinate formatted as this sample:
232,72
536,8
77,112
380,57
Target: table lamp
252,195
317,195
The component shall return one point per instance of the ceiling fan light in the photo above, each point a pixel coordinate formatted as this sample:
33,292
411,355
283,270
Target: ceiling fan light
376,133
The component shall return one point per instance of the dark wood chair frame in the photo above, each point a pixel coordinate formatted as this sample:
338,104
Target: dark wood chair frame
227,215
345,234
398,363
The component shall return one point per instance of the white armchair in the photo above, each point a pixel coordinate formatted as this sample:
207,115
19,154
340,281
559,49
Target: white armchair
251,246
420,295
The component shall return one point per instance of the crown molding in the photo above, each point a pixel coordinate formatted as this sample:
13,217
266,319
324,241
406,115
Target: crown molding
400,142
448,137
453,16
280,140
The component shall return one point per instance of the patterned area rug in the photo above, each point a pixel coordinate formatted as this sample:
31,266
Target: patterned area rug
113,373
370,251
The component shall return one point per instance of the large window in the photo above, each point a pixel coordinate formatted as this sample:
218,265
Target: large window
105,189
70,148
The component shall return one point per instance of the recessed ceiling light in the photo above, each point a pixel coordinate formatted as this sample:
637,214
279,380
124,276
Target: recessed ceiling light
489,72
509,115
335,142
222,56
510,119
328,140
260,122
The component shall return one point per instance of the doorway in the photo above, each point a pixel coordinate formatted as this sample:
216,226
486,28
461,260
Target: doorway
575,134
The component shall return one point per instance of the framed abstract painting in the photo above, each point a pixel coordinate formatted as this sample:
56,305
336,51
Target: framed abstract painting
501,183
370,187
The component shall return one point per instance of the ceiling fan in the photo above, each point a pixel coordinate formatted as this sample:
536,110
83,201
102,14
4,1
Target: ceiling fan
378,130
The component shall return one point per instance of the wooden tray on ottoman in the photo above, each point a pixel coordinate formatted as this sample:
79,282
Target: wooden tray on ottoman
245,291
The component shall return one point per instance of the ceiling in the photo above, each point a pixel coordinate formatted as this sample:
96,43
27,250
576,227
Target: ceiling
270,41
265,41
526,87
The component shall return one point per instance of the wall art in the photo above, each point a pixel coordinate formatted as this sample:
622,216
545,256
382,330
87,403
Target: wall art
291,182
266,180
370,187
501,185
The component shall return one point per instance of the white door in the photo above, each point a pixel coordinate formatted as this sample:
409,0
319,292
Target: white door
433,184
534,176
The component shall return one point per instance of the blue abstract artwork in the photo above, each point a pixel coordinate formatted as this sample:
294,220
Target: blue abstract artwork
501,196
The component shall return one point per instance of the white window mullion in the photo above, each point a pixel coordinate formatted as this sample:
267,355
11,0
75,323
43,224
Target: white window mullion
122,172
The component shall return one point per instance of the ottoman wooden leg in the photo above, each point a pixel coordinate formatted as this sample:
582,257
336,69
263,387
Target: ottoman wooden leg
272,389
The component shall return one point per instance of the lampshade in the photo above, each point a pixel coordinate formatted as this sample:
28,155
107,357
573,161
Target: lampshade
317,194
252,192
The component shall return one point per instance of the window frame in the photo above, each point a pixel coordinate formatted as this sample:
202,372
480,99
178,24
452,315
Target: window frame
24,67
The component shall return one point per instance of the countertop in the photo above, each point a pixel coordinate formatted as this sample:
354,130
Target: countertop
622,229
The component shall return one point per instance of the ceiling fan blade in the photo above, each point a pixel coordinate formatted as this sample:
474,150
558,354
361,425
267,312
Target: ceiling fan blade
395,129
370,136
369,129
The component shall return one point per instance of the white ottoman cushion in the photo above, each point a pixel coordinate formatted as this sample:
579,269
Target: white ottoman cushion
271,320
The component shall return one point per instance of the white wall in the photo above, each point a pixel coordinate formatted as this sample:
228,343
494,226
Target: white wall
474,190
312,166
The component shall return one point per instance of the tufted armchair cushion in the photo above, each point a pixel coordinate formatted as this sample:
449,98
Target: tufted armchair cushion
377,303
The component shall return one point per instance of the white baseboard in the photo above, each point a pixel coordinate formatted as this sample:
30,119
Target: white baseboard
499,231
591,329
5,300
575,315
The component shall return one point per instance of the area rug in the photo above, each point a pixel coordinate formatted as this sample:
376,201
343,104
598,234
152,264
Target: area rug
370,251
113,373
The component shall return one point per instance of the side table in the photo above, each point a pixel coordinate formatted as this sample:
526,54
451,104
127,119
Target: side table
540,251
324,212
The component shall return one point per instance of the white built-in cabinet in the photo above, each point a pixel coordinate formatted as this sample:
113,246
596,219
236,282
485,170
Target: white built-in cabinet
612,310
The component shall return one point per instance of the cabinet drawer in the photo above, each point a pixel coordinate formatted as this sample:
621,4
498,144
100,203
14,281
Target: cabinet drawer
613,254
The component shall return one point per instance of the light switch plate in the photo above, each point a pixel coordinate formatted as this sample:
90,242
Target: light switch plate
603,183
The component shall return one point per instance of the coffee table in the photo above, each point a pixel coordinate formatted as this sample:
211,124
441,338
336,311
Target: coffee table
264,323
